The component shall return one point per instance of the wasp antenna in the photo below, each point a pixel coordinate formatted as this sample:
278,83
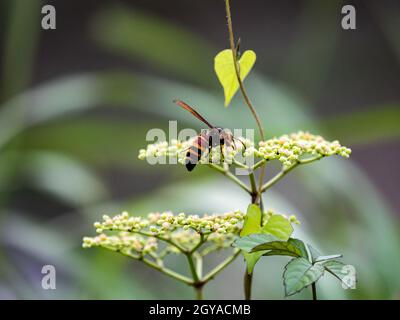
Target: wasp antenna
192,111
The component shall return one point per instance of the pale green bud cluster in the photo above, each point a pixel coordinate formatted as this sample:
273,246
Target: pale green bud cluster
141,235
124,241
173,149
178,149
288,149
164,223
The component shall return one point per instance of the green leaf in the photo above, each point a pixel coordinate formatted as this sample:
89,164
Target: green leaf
248,243
300,273
165,45
313,252
338,270
252,221
326,258
293,247
251,225
271,245
278,226
225,70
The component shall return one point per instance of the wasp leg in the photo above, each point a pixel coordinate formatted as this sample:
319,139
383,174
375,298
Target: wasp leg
244,146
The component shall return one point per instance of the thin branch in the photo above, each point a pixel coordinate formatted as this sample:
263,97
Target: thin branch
199,244
220,267
155,266
183,250
231,176
258,164
286,170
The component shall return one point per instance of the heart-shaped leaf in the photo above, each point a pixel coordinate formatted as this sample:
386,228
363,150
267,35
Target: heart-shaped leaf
300,273
225,70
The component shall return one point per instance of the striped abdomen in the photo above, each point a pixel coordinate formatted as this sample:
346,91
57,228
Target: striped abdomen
195,151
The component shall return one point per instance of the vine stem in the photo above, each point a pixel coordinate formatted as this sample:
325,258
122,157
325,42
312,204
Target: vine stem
199,293
314,291
244,92
248,280
236,64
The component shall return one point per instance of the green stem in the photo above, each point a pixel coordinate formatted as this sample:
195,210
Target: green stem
155,266
237,71
231,176
248,280
199,244
183,250
240,165
314,291
243,90
283,172
199,265
199,292
258,164
277,177
192,267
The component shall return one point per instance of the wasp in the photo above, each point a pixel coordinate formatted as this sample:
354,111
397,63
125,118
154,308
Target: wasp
207,139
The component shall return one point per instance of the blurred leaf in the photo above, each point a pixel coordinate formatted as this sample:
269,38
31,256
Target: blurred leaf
76,94
163,45
21,37
300,273
366,126
311,45
278,226
360,201
388,18
99,142
65,178
225,69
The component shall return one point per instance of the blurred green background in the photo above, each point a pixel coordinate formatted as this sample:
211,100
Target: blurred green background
76,104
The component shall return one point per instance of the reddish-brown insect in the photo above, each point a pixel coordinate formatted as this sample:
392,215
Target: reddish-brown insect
207,139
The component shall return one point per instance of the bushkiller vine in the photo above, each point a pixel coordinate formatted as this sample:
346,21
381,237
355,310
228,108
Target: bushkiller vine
253,234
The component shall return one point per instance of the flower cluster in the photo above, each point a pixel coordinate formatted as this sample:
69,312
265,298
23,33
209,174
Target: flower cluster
141,235
124,241
158,152
288,149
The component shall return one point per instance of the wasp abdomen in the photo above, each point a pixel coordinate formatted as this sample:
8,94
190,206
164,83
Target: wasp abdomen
195,151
